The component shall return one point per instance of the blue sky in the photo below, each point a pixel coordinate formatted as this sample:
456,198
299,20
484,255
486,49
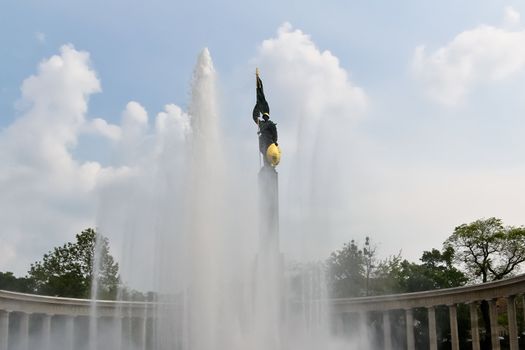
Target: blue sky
433,139
156,42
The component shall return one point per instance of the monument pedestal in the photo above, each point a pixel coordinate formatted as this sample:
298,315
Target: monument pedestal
268,210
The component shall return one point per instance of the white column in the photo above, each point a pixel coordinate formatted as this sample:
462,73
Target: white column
523,308
117,328
364,338
93,332
387,330
494,335
410,329
474,325
453,315
141,333
24,331
4,329
432,336
126,333
46,332
513,328
69,332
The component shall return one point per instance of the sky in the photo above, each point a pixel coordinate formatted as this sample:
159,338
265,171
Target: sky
398,121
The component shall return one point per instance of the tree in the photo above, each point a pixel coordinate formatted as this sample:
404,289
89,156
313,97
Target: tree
435,271
346,271
487,250
8,281
387,276
67,271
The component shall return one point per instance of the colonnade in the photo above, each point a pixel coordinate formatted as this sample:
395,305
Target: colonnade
31,321
26,319
501,297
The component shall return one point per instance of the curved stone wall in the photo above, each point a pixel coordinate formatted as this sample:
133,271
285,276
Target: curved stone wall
21,312
505,291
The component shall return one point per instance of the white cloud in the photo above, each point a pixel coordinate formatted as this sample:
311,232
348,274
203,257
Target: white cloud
55,103
511,16
47,194
307,86
313,78
173,123
135,117
481,55
102,127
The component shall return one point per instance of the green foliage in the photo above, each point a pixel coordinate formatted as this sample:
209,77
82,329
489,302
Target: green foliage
436,271
387,276
353,272
487,250
346,271
67,271
8,281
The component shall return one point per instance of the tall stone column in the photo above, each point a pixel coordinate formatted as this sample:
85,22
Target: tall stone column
4,329
494,335
453,315
141,333
387,330
46,332
513,328
523,308
126,332
117,329
410,329
432,336
69,332
474,325
23,342
364,338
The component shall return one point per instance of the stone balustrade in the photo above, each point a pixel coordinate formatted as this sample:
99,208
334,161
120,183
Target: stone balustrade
506,291
131,321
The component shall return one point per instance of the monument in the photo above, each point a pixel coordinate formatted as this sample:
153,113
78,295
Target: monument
268,176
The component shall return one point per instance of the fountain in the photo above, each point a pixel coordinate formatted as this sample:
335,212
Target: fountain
216,285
